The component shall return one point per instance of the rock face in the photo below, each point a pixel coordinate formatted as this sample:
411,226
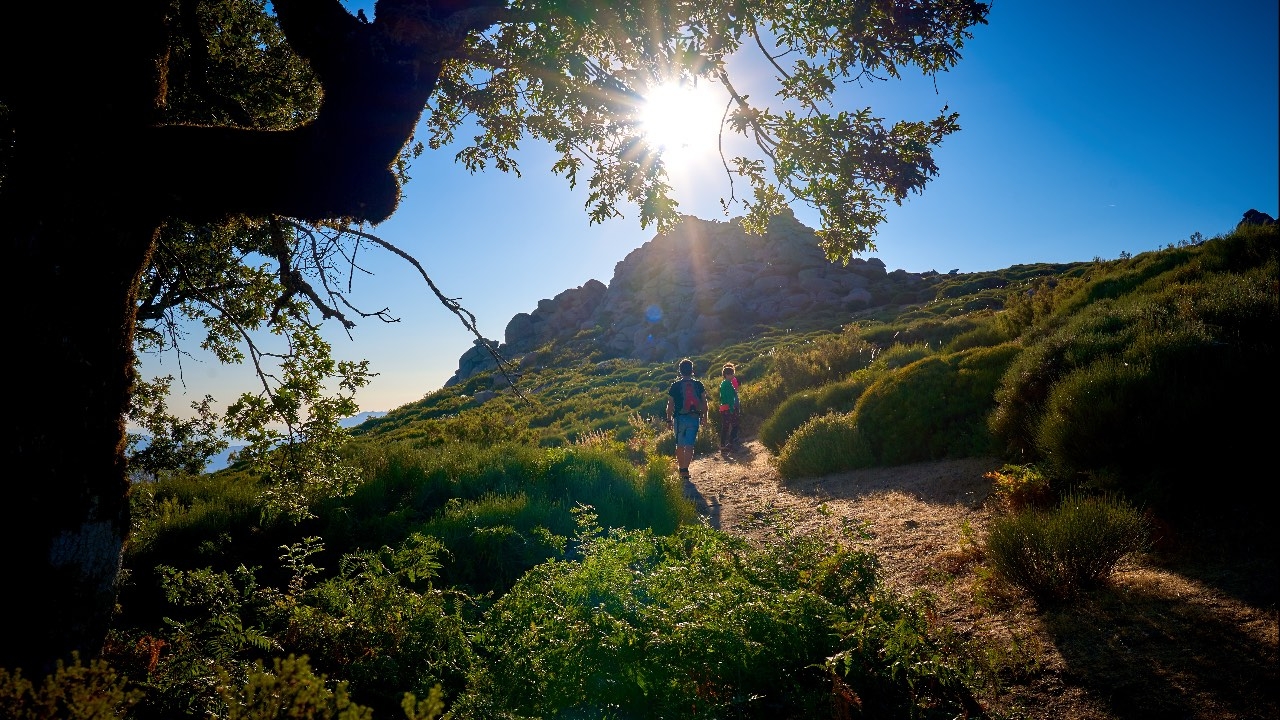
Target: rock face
697,287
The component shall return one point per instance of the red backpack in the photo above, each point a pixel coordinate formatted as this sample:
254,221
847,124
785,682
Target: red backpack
692,404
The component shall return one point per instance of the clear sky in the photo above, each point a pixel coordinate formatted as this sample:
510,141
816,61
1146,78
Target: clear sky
1087,129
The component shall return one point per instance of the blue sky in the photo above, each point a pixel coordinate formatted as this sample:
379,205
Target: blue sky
1087,129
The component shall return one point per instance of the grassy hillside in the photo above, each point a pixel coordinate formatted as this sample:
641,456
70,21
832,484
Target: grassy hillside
1095,370
527,551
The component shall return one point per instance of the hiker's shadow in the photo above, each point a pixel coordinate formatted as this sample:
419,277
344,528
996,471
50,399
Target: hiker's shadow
708,510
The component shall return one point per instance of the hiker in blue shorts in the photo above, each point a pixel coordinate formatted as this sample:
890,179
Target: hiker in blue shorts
686,408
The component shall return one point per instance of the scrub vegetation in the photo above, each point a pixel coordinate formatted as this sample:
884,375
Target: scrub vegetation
533,554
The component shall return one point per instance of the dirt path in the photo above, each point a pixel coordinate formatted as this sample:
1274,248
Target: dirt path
1120,655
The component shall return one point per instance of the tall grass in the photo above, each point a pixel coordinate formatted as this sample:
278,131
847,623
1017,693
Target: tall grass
500,509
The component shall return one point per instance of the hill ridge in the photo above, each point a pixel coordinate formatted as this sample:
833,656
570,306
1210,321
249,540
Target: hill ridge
689,290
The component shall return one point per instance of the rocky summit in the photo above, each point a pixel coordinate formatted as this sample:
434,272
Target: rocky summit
704,283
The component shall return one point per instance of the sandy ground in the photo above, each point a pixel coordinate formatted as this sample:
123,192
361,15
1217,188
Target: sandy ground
1121,655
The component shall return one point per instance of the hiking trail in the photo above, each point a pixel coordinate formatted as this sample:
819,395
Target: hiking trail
926,523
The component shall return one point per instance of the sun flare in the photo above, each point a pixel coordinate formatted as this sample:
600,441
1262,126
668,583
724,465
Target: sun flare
681,121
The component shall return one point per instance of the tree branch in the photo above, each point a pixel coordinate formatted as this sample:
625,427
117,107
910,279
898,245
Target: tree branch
468,319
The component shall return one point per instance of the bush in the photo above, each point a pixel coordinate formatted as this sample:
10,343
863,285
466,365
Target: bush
1019,487
839,397
701,625
935,407
824,445
822,360
377,624
77,691
288,689
1056,554
843,396
1132,391
791,414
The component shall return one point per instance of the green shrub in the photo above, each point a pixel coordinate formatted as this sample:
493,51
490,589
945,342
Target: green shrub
72,692
935,407
1116,393
498,511
701,625
837,397
1056,554
824,445
824,358
842,396
377,622
288,689
805,364
496,536
1034,301
789,415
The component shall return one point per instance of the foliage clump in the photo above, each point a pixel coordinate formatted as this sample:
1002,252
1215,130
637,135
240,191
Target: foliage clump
1148,378
699,624
1019,487
1057,554
932,408
825,444
73,691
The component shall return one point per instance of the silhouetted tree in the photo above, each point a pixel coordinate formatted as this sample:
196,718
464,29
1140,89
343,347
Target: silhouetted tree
152,151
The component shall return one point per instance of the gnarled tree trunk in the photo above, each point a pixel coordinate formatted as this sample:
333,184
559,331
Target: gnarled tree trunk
87,178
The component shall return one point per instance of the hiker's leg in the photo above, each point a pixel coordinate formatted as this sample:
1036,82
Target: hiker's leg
686,435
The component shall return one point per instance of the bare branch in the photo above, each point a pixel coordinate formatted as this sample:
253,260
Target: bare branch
468,319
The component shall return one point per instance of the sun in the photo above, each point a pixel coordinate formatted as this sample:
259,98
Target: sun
681,121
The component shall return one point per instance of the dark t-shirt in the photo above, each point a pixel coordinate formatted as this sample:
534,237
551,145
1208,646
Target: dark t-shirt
676,392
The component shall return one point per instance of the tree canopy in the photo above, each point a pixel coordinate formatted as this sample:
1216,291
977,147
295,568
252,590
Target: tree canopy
222,160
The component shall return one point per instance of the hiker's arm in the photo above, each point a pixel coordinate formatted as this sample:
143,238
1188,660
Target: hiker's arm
671,409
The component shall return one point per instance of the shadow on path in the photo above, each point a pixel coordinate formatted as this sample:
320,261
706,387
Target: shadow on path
709,509
1151,654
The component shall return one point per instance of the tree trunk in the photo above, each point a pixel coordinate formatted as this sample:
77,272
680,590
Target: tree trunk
88,174
70,370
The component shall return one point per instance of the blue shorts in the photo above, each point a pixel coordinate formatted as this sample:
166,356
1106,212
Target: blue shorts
686,430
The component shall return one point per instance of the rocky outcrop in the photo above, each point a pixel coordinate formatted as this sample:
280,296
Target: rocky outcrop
562,316
1255,217
480,358
698,286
